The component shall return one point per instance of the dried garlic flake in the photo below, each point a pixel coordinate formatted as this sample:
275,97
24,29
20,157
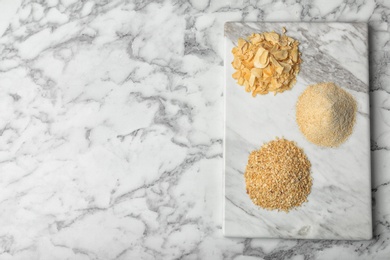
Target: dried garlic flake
266,62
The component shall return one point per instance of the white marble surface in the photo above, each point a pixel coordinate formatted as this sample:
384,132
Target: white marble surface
339,205
111,129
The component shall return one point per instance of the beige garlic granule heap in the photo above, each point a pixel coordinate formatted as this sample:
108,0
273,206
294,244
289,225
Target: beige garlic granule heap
326,114
267,62
277,176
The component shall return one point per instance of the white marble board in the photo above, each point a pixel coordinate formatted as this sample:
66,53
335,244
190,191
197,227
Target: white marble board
339,206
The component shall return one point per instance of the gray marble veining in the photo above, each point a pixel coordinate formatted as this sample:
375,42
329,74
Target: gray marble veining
111,129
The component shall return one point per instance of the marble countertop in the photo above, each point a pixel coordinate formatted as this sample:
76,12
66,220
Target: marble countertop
111,129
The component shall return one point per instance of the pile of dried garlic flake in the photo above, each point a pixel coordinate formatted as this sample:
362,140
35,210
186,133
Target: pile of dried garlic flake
267,62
